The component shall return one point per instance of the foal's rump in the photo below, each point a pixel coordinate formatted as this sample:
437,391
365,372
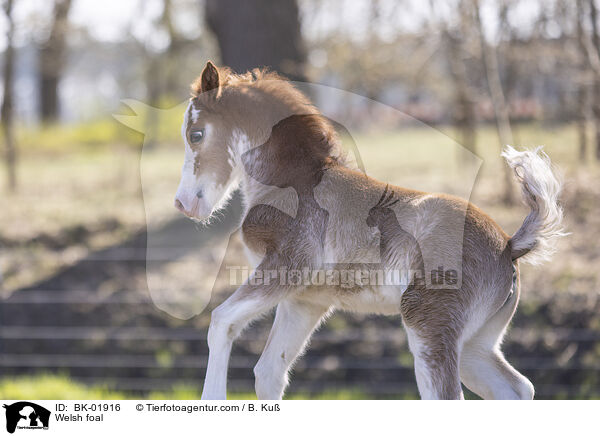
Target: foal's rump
403,225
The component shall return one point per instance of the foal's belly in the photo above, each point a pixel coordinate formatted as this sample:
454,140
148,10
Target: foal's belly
383,300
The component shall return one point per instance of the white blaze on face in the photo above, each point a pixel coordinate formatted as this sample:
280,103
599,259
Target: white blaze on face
198,194
189,185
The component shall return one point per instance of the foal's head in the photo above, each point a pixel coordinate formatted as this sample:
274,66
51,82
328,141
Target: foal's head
207,175
230,115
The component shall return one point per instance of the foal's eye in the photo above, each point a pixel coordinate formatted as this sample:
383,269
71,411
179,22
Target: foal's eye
196,136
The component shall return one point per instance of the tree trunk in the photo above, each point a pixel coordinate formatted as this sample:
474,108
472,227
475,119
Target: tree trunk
177,43
492,73
51,58
582,85
6,111
258,33
582,97
153,93
596,86
464,108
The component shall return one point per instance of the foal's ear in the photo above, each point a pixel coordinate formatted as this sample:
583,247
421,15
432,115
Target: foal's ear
210,79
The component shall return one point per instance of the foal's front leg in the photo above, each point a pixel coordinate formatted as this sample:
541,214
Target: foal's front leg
294,323
227,322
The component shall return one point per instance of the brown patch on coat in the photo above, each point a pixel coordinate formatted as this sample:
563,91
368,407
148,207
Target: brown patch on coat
295,155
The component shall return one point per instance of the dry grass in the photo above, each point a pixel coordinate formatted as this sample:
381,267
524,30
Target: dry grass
70,203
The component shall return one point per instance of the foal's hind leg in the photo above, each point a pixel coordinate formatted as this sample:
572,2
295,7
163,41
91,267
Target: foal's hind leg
483,368
436,366
433,326
490,376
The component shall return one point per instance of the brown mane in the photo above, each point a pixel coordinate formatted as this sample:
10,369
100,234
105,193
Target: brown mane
317,133
255,77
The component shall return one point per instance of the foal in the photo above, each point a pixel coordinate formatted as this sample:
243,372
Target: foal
307,213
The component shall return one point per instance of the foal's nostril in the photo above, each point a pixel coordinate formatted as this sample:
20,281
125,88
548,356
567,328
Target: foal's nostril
199,194
179,205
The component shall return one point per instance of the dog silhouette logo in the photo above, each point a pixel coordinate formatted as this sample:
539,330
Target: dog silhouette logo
26,415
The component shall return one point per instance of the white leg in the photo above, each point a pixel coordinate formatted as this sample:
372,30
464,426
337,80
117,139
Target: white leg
293,325
490,376
227,322
483,368
436,368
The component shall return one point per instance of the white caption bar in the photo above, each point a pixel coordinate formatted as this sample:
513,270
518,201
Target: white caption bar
165,417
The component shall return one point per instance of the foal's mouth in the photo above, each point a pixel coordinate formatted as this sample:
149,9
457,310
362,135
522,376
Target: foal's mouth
193,213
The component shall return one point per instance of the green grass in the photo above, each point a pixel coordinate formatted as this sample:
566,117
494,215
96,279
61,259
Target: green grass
56,139
61,387
101,134
53,387
63,137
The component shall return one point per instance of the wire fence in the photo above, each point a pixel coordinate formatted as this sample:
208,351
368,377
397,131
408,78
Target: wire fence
142,356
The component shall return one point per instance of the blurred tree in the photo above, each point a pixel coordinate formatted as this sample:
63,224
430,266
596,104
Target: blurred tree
492,73
50,61
156,70
464,100
583,88
6,111
257,33
176,45
160,58
508,54
595,52
161,65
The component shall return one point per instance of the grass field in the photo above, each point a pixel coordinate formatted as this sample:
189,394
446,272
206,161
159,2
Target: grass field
61,387
73,200
77,200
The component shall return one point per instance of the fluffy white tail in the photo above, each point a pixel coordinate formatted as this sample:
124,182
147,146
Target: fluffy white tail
536,239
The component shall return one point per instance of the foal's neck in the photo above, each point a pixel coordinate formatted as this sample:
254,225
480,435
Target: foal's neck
285,127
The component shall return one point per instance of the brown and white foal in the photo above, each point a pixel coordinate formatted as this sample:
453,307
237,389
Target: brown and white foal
307,210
